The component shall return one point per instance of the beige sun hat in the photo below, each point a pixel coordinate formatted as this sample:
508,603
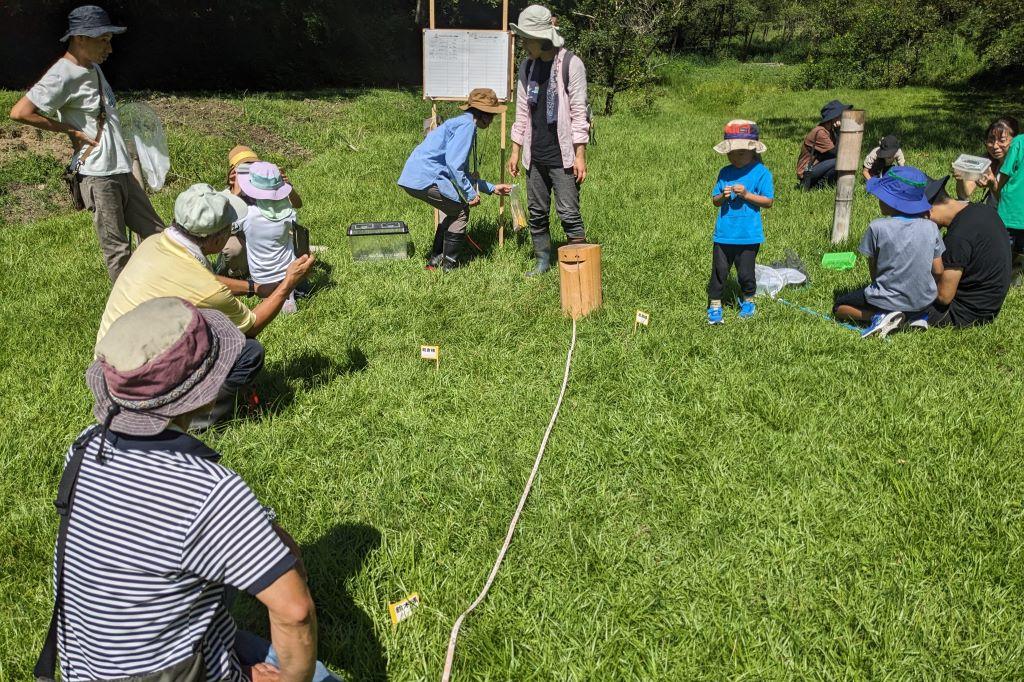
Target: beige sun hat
536,22
741,134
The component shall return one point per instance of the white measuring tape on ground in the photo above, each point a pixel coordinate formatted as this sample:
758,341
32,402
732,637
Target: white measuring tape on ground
450,657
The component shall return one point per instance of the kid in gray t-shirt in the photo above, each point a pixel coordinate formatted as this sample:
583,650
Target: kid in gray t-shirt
904,250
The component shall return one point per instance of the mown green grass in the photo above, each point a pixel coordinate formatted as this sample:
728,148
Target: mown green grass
772,499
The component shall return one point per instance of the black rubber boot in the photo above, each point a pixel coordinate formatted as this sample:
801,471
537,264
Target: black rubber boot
453,243
436,253
542,250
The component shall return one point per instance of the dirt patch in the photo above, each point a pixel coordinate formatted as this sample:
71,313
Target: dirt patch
218,118
20,139
189,116
25,203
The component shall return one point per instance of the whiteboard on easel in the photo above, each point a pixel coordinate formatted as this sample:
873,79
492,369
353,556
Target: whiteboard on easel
457,61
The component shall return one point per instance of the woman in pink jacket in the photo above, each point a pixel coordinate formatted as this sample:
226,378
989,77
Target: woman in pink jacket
551,131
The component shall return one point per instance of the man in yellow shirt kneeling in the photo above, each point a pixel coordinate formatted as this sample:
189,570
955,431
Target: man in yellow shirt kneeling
174,263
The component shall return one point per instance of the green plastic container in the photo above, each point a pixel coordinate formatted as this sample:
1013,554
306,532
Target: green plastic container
843,260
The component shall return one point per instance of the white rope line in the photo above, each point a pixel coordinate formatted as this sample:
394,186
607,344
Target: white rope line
450,657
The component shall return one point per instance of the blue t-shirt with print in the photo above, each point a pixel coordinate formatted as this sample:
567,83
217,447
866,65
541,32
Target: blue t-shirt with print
739,221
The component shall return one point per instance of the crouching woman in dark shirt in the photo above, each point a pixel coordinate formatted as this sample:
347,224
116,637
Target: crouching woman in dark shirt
976,263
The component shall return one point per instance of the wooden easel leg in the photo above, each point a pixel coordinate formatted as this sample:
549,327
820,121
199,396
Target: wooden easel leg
433,124
501,200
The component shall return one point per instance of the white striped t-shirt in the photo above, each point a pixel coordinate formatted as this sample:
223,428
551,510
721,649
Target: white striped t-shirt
157,530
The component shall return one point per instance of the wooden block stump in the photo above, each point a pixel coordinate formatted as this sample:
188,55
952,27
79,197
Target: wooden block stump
579,266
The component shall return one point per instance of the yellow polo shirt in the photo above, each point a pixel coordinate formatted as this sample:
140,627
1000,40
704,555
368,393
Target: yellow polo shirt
162,267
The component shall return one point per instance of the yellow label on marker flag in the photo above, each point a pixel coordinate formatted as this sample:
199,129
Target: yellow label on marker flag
430,352
642,318
401,610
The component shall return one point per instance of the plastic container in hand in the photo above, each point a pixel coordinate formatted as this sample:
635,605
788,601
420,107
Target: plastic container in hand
971,168
516,208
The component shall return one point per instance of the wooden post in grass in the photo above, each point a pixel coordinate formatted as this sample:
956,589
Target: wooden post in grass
851,136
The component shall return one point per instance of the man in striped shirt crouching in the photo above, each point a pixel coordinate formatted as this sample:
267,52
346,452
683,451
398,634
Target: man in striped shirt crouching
154,531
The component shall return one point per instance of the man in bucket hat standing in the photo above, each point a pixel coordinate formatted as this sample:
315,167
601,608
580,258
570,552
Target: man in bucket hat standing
175,264
74,98
816,164
154,530
551,130
904,251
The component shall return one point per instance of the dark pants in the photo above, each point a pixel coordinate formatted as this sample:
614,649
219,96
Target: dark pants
541,180
953,315
456,215
1016,240
722,259
246,367
819,174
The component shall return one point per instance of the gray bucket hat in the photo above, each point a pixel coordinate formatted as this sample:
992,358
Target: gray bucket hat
202,211
90,20
161,360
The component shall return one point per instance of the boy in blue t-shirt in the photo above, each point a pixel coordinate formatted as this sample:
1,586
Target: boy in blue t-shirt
743,188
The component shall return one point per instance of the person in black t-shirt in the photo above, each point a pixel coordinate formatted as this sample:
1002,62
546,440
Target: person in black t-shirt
976,263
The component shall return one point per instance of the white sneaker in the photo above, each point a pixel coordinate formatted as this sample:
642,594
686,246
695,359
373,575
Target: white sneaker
883,323
919,324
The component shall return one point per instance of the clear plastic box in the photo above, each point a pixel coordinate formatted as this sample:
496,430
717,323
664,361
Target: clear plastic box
379,241
971,167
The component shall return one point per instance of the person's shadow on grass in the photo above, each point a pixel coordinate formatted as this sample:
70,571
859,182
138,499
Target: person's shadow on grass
278,385
347,641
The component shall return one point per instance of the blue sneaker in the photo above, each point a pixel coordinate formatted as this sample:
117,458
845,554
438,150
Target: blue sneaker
715,315
747,309
884,323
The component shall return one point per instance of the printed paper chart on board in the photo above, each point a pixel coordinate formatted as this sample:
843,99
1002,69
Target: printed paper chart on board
455,62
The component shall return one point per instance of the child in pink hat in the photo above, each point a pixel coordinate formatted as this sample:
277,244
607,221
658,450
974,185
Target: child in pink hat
268,226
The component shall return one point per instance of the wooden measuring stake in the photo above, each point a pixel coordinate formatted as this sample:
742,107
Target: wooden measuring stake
641,318
431,353
401,610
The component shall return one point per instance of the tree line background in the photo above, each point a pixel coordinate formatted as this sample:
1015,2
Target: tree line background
298,44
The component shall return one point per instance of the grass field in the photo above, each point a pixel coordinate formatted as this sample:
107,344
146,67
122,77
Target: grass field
771,499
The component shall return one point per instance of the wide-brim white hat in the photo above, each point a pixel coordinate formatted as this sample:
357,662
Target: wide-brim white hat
726,146
536,22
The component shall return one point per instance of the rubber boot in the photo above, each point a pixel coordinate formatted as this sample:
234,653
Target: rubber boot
437,253
542,249
453,243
